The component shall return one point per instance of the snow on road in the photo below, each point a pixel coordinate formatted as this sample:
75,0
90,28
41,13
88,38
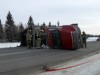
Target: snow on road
91,67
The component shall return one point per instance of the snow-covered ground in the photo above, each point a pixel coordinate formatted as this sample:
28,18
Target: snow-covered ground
92,39
8,45
15,44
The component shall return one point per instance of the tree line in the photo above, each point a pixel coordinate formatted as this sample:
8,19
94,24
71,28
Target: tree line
10,32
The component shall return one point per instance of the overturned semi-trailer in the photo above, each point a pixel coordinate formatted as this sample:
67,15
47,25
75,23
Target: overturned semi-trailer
61,37
65,37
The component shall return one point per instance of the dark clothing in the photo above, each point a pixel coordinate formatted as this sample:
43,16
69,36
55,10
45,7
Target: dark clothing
84,40
23,39
43,39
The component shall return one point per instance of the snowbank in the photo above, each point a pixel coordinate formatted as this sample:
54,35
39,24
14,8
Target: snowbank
8,45
92,39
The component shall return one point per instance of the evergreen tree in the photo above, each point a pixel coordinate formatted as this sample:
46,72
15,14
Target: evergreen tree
58,23
1,31
49,24
16,33
30,23
10,28
43,26
21,28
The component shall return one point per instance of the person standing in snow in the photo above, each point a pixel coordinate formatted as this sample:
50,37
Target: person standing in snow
84,39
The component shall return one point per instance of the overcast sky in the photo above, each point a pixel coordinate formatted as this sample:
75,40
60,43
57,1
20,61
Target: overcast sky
84,12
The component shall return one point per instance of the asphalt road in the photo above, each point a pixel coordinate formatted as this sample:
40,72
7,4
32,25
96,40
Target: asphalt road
23,61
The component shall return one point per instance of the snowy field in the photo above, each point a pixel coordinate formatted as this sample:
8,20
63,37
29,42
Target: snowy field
15,44
92,39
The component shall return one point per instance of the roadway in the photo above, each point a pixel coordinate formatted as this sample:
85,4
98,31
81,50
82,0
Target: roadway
23,61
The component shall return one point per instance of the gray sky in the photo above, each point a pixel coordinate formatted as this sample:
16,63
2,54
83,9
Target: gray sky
84,12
